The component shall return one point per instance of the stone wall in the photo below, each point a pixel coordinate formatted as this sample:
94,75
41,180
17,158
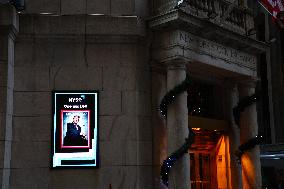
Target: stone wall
108,54
71,7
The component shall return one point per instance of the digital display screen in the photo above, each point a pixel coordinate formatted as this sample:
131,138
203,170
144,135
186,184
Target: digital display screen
75,129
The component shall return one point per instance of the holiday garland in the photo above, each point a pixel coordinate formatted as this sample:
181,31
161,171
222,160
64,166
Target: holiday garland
166,101
251,143
243,103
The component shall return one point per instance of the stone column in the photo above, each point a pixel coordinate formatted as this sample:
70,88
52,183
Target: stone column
8,31
251,168
159,82
177,124
234,136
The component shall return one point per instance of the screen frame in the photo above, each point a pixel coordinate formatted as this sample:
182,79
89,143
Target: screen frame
97,154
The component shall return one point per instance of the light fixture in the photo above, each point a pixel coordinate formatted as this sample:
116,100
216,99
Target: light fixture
96,14
45,13
195,129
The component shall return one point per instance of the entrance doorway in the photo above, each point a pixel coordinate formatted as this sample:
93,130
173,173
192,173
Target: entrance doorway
204,153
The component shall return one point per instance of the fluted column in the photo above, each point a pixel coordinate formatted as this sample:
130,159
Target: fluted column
234,136
177,124
251,167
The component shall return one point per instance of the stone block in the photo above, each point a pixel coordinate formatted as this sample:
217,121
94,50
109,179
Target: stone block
98,55
43,25
4,49
144,104
30,154
6,100
32,128
2,153
32,103
145,177
2,126
114,26
129,103
68,54
143,81
144,128
32,178
110,103
122,7
24,54
142,8
74,178
124,128
136,103
105,127
3,99
69,7
118,177
38,81
116,128
119,78
6,126
3,75
77,78
144,153
98,7
117,153
42,6
143,57
128,55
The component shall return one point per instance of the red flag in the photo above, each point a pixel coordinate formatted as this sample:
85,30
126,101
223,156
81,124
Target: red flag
272,6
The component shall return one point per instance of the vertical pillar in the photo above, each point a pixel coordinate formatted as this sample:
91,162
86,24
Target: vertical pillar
8,31
177,124
234,137
251,168
159,80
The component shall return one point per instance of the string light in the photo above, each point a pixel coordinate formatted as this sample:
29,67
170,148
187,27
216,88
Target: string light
250,144
169,162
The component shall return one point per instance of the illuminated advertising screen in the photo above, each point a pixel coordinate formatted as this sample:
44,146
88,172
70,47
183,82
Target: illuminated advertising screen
75,129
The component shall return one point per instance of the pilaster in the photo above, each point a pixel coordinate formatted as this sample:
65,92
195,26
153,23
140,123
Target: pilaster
8,28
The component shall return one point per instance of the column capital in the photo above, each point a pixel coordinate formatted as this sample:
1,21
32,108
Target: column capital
176,63
9,21
249,83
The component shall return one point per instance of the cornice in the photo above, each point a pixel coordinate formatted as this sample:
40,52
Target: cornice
179,20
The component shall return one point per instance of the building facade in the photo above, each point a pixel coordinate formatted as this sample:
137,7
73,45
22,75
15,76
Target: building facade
133,52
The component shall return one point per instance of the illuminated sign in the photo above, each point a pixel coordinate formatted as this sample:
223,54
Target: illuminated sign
75,129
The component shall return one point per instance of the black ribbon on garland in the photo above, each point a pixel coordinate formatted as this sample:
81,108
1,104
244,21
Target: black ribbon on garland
250,144
243,103
166,101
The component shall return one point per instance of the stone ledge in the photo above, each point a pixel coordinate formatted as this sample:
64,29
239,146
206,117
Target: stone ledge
81,25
